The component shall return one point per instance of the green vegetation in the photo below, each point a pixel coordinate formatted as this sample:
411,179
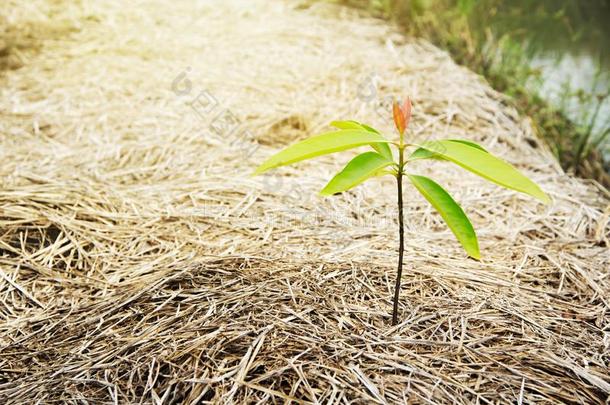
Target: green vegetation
500,40
381,161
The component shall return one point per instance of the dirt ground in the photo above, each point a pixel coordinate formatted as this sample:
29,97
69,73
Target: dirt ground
141,263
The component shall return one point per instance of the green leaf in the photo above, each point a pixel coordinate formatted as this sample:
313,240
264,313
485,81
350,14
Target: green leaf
346,124
319,145
382,148
359,169
421,153
469,143
451,212
370,128
485,165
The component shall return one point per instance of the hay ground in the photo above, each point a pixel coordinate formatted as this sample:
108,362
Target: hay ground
139,263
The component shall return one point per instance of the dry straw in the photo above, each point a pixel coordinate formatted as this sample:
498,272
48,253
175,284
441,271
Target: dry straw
140,264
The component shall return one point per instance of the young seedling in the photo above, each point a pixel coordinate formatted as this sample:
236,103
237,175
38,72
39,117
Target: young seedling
380,161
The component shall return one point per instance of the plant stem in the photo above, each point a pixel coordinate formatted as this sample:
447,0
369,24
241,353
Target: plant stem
401,236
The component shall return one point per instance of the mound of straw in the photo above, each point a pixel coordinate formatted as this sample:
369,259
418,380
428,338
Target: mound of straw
140,263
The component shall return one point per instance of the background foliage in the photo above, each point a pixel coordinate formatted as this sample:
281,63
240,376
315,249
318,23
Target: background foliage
507,42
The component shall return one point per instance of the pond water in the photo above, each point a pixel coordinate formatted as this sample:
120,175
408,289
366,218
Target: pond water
564,79
567,42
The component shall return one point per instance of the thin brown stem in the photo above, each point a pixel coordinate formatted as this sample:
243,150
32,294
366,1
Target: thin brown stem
401,237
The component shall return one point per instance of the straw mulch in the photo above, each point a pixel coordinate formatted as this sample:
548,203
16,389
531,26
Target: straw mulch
139,262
